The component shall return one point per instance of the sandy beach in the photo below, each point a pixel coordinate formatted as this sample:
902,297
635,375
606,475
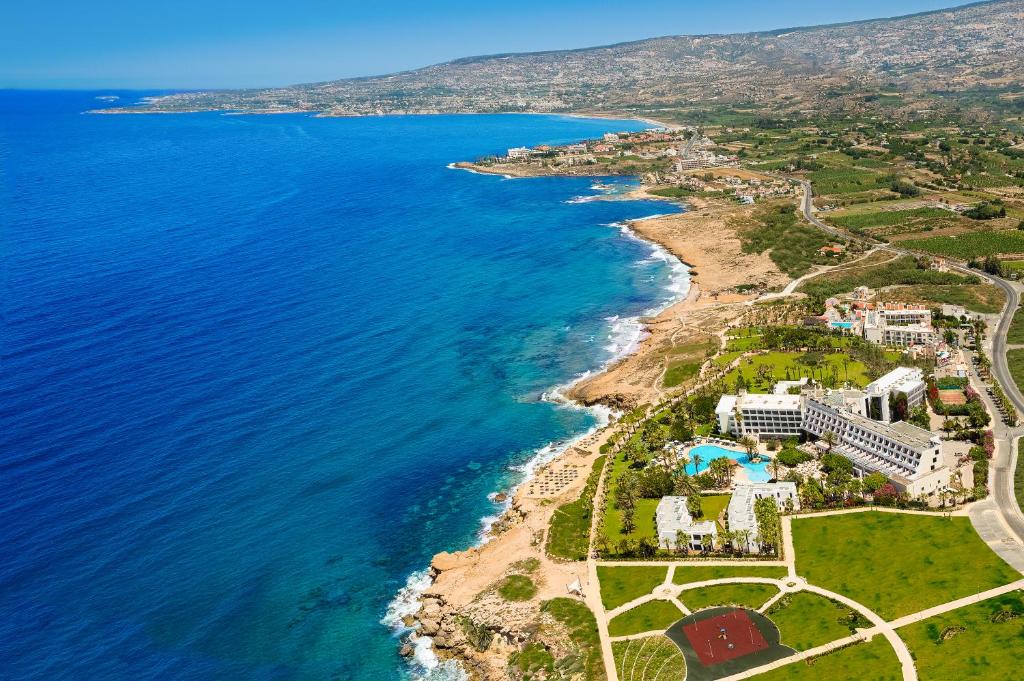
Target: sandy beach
706,239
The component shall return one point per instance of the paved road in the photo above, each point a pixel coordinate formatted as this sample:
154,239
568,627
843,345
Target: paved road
1003,501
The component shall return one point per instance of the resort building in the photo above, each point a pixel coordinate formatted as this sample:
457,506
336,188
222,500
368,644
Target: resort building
741,507
519,153
675,525
760,415
904,453
905,381
900,326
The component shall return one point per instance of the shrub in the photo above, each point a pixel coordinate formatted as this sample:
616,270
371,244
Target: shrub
517,588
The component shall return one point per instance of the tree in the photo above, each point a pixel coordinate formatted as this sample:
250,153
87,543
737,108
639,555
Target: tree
749,444
680,429
628,520
646,548
721,469
811,495
830,440
775,467
874,481
696,463
693,505
682,540
769,527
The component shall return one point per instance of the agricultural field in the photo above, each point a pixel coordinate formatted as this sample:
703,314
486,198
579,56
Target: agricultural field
971,244
887,221
939,559
980,642
878,271
984,298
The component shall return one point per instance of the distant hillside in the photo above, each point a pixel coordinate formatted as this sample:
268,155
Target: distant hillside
971,55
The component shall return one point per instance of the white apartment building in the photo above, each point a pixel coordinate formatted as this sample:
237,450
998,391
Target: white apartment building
675,522
741,506
908,381
904,453
900,327
760,415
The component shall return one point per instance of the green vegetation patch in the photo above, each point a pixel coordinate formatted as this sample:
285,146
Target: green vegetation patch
1018,474
581,625
984,298
902,270
1015,360
928,559
1015,334
874,661
650,616
703,573
847,180
751,596
971,244
569,531
517,588
903,220
622,584
791,244
981,642
678,372
650,658
807,620
672,192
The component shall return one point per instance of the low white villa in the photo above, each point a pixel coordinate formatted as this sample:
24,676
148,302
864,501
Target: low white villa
741,506
673,518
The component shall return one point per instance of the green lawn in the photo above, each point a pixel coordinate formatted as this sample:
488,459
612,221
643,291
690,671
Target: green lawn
569,531
620,585
713,505
1015,334
786,364
517,588
928,560
745,595
1018,475
984,642
651,616
874,661
807,620
680,371
1015,360
703,573
652,658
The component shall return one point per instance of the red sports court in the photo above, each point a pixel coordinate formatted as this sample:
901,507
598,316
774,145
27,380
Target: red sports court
725,637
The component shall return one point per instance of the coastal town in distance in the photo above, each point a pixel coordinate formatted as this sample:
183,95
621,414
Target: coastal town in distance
696,357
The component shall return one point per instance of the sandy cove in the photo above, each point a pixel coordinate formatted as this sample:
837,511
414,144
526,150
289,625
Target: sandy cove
464,587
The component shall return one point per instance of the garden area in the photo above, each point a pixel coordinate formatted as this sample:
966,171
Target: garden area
807,620
980,642
872,661
652,658
938,559
740,594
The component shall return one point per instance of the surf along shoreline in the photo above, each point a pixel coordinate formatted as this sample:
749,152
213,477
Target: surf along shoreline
431,613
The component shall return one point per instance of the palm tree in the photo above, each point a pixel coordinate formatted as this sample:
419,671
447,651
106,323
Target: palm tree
750,444
775,467
696,463
830,440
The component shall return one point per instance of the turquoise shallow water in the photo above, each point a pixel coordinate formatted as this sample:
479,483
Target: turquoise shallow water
257,370
756,472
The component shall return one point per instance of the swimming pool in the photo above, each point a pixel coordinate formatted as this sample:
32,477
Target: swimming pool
757,472
842,325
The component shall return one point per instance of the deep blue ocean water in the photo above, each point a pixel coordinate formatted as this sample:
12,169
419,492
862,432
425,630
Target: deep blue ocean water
256,370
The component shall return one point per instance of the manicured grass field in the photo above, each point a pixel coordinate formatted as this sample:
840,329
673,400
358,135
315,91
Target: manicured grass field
874,661
927,560
652,658
651,616
745,595
967,644
713,505
703,573
971,244
1015,360
1015,334
807,620
1018,475
620,585
678,372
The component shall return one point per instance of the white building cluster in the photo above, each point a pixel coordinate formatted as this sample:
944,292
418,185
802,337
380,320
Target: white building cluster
860,420
741,507
675,523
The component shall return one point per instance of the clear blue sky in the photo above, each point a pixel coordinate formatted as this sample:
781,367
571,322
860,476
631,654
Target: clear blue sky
227,43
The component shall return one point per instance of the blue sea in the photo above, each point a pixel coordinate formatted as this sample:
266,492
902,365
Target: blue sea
256,370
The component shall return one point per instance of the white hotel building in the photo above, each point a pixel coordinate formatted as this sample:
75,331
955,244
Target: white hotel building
906,454
765,415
